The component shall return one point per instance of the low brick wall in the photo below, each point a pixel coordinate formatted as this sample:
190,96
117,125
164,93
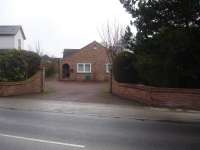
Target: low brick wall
33,85
154,96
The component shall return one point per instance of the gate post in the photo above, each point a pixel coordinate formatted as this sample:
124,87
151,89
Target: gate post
42,79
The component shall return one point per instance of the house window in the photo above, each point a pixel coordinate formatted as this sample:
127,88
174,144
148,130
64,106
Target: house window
108,68
84,68
19,44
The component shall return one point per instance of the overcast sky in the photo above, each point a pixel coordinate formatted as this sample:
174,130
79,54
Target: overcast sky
60,24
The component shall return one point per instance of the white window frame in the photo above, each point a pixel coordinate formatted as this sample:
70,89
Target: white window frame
107,67
84,71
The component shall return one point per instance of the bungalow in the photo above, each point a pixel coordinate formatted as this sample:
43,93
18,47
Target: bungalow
11,37
88,63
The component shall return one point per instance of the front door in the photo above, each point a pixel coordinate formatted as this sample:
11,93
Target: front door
66,71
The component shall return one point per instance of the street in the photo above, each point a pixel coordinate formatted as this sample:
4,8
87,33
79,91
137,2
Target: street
33,130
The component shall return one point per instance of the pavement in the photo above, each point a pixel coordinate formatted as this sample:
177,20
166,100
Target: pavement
101,110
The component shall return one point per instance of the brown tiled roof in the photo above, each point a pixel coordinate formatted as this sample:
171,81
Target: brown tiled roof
92,44
69,52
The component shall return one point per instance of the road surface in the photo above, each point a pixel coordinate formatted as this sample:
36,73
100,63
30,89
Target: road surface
32,130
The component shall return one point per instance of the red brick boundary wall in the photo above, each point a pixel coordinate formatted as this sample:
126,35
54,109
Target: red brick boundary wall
33,85
155,96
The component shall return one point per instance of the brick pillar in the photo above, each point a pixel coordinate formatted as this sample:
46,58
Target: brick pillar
60,70
42,79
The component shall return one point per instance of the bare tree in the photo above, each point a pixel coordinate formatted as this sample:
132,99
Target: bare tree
111,38
30,48
38,49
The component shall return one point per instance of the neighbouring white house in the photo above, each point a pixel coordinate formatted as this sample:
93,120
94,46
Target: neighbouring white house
12,37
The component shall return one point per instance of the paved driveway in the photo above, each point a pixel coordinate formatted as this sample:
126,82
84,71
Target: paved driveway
93,92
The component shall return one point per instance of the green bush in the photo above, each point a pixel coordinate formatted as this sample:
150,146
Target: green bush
33,61
166,44
18,65
173,59
124,68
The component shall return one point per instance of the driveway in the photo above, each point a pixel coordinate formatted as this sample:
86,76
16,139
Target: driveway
92,92
89,98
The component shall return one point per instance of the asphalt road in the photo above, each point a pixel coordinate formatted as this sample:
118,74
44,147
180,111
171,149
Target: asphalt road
30,130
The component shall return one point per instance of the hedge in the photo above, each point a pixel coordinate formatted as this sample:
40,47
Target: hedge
124,68
18,65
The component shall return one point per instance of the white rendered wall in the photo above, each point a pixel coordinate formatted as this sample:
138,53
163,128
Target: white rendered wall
7,42
18,36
